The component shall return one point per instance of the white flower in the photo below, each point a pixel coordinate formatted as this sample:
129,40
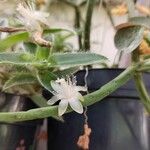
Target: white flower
68,93
32,19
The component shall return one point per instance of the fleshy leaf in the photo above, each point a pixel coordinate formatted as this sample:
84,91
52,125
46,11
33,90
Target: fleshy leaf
143,21
128,38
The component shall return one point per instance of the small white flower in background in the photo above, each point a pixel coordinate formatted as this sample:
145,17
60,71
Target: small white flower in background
32,19
33,22
68,93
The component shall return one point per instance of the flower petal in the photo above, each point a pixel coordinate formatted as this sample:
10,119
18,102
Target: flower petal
81,98
80,88
57,87
53,100
41,17
76,105
62,107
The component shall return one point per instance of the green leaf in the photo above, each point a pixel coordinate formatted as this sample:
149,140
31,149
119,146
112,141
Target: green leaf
44,78
127,39
24,36
30,47
66,72
42,53
59,44
20,79
16,58
56,60
143,21
75,59
12,40
55,30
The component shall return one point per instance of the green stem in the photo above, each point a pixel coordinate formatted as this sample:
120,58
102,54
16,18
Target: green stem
78,26
77,20
144,69
68,3
110,87
39,100
42,102
88,22
90,99
143,94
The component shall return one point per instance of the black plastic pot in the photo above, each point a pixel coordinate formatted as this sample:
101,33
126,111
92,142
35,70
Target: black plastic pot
17,136
118,123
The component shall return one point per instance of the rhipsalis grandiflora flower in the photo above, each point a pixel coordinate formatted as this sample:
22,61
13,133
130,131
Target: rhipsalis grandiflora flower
68,93
33,21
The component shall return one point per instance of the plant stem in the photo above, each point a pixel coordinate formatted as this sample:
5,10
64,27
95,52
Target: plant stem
131,8
68,3
90,99
11,30
77,20
87,26
143,94
144,69
110,87
39,100
78,26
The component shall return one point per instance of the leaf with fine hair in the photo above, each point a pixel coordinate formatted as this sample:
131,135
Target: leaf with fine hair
30,47
127,39
44,78
42,53
13,39
56,60
20,79
16,58
76,59
66,72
